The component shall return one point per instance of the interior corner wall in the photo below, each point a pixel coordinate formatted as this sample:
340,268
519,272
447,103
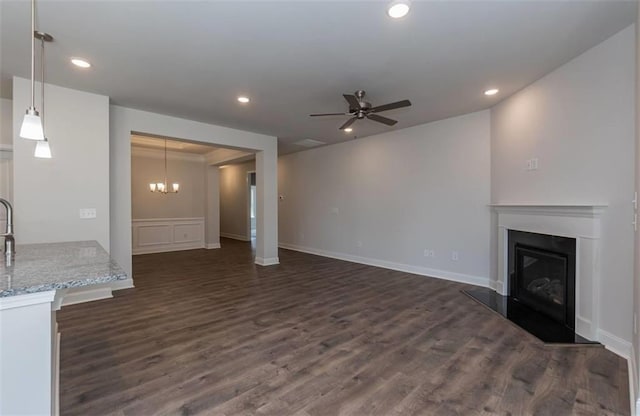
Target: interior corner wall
6,122
578,121
188,170
48,193
234,200
385,199
212,207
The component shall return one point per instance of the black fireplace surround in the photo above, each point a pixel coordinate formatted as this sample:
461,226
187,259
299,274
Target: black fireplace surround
542,274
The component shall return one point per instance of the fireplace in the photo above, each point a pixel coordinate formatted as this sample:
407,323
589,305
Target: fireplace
542,274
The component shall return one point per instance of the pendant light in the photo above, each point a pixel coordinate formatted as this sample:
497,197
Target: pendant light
31,124
43,150
162,187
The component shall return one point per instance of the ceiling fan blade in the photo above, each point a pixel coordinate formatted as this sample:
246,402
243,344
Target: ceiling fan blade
348,123
391,106
352,100
329,114
381,119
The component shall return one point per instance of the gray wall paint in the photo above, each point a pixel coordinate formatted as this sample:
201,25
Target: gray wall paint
212,207
234,199
48,193
389,197
579,122
187,170
6,122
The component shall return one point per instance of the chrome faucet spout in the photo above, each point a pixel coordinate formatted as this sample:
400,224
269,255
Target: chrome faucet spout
9,241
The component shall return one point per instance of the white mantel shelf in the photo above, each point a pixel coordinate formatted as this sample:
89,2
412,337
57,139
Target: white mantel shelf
580,210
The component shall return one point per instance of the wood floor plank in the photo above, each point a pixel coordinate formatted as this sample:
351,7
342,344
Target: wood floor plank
208,332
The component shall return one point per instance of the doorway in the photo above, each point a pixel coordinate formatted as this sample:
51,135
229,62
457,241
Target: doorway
253,202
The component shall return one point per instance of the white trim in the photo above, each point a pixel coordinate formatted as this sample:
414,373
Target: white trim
165,238
235,236
137,151
212,246
122,284
190,219
18,301
80,296
633,382
271,261
586,211
407,268
615,344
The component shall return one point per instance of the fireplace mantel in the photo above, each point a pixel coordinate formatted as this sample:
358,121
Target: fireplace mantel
579,221
587,211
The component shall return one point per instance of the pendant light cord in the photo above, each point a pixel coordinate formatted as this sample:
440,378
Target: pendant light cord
33,54
165,165
42,88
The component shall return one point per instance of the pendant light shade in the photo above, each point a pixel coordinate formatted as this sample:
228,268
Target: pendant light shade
43,151
32,126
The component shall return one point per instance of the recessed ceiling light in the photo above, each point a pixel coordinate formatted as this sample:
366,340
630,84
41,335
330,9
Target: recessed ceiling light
348,130
492,91
79,62
243,100
398,9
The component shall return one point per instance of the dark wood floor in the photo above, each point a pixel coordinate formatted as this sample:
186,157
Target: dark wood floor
207,332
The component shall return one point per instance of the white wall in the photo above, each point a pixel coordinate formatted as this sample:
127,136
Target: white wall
635,369
6,156
124,121
385,199
48,193
147,165
579,122
234,200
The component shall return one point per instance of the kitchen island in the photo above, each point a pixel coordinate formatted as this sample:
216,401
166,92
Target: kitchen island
32,288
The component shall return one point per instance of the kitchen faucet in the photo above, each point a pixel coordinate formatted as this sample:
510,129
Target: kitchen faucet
9,241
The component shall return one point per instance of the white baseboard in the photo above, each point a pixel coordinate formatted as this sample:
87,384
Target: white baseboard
408,268
81,295
235,236
615,344
212,246
122,284
633,383
271,261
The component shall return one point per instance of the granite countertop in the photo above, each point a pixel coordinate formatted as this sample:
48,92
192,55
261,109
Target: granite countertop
51,266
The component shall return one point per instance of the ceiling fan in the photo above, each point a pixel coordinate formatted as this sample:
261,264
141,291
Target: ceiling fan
360,109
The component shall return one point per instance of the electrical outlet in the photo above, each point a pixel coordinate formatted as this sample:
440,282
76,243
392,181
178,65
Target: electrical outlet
87,213
454,256
529,164
429,253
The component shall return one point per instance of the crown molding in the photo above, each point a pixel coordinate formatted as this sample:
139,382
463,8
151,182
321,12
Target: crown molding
159,154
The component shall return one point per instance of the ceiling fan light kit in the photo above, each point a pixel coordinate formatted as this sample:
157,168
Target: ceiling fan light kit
360,109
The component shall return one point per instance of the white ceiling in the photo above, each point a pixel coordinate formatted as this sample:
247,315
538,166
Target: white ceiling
192,59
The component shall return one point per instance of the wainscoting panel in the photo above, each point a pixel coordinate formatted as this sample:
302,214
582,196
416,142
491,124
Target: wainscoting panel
159,235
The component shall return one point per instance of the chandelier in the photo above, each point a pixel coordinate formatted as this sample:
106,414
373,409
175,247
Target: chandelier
162,187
